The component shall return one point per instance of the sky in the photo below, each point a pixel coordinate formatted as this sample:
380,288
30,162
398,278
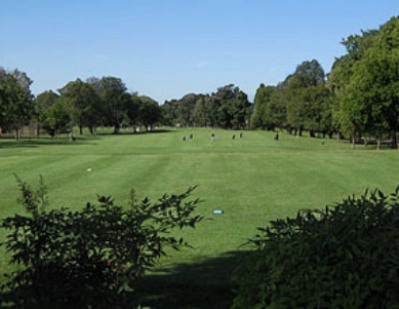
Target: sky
168,48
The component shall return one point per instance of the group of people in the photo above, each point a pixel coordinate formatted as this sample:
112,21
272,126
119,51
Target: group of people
213,137
233,137
191,136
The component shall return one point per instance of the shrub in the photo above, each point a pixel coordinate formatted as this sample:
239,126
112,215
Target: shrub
90,258
346,256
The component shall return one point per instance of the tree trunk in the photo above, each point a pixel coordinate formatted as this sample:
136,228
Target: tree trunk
37,129
80,129
299,132
116,128
394,139
17,134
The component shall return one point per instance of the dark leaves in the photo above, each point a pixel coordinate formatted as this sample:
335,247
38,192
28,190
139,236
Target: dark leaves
92,256
346,256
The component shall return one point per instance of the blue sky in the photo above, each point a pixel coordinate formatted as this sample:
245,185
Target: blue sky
168,48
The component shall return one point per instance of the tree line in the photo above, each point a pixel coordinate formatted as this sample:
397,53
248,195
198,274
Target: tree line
358,99
86,104
227,108
105,102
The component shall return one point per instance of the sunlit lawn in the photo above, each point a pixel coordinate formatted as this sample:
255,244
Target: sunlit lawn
253,180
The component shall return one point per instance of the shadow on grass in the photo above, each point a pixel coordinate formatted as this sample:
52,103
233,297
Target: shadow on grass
130,132
6,143
206,284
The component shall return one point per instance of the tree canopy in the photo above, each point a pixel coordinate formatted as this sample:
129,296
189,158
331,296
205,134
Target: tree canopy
16,108
366,82
301,102
227,108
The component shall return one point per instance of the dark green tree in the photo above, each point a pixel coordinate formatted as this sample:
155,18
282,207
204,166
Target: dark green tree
42,104
275,112
261,109
307,98
112,92
365,82
185,109
149,112
132,111
350,118
169,115
228,108
16,107
86,104
59,117
233,108
203,115
374,84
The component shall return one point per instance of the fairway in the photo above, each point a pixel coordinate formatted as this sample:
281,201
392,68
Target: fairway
253,180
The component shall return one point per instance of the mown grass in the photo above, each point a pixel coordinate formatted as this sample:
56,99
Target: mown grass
253,180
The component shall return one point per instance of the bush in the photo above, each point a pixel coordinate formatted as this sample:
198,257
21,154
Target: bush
90,258
346,256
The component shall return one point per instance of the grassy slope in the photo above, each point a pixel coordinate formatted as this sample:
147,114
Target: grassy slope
253,180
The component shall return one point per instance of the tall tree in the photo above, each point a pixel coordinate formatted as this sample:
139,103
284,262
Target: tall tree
203,115
233,107
16,108
59,117
262,116
86,110
149,112
349,116
168,110
369,82
275,113
306,95
42,104
132,110
112,91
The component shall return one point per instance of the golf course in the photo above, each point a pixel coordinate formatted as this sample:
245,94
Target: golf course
248,181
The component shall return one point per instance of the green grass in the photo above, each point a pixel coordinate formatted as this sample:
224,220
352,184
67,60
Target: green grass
253,180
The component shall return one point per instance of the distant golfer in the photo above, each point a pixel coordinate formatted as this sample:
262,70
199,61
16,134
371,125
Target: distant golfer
213,137
241,135
276,137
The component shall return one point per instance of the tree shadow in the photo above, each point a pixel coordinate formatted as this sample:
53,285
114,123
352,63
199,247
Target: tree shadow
206,284
38,142
124,132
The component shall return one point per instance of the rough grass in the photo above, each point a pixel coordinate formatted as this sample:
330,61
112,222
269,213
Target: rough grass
253,180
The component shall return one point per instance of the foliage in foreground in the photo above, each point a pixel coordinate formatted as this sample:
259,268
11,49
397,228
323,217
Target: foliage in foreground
90,258
345,256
